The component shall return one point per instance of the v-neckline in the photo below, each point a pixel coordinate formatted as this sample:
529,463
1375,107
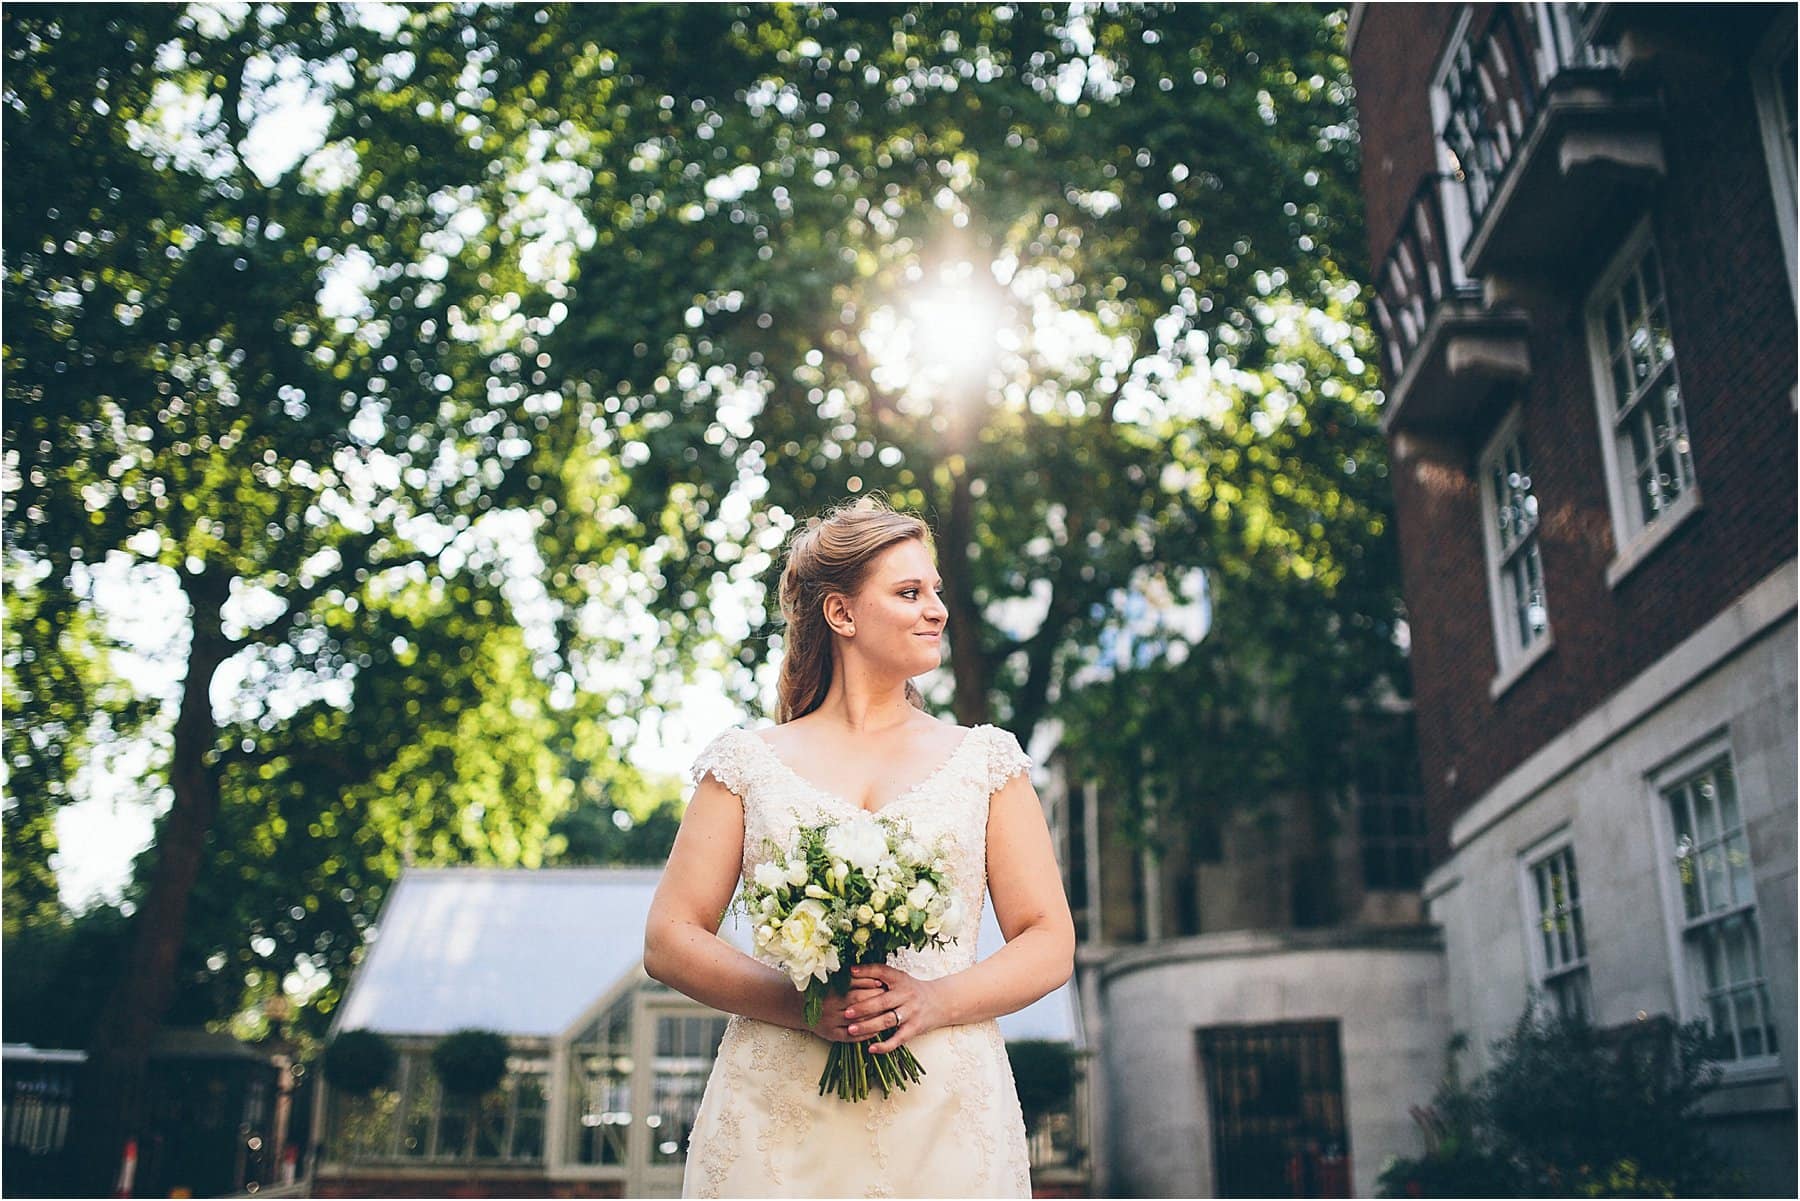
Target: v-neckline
904,795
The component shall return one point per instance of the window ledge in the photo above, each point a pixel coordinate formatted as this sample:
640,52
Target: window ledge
1758,1086
1640,548
1507,678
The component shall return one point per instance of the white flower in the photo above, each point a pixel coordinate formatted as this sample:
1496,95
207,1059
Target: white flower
806,948
941,866
879,900
817,893
921,893
902,914
932,926
858,842
770,876
769,905
954,916
796,872
861,937
881,921
912,851
864,914
765,933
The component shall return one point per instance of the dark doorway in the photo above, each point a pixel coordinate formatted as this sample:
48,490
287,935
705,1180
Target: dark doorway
1276,1094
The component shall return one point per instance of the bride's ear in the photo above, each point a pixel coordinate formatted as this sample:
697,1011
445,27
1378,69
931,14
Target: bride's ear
838,615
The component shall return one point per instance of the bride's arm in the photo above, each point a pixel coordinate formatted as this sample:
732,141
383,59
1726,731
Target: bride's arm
1033,913
681,947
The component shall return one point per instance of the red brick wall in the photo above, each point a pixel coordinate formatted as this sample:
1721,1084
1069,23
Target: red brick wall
1733,322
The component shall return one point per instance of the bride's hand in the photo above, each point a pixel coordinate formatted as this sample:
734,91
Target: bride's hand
916,1002
832,1023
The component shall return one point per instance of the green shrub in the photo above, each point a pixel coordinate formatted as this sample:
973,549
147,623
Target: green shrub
470,1062
1044,1072
1567,1109
359,1061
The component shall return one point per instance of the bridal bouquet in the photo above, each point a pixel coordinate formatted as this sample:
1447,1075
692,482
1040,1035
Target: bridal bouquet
845,893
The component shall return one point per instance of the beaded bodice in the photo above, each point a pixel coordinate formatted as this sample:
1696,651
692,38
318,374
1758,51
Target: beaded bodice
949,804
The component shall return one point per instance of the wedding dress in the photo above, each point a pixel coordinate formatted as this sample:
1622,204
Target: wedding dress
762,1129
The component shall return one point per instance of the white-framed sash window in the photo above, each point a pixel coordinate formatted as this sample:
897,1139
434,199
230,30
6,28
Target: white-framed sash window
1643,421
1714,913
1515,566
1556,931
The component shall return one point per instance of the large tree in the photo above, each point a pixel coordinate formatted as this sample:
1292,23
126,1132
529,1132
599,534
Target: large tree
298,391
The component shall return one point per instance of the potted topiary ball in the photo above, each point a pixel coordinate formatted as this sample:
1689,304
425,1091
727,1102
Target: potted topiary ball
470,1062
359,1061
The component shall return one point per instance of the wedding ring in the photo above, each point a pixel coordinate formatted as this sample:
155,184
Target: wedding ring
896,1019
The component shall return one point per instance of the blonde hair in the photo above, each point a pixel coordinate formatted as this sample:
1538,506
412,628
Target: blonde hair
831,553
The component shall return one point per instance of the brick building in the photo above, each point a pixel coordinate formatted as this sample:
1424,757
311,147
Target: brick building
1582,228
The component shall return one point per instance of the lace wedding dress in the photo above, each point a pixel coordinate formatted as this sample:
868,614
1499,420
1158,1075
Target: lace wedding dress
762,1129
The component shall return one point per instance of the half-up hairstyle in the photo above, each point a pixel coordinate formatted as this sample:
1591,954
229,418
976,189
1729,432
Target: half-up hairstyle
831,553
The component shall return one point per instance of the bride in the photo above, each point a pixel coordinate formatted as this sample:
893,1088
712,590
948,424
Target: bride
859,594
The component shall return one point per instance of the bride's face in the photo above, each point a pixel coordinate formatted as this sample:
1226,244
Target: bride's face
896,619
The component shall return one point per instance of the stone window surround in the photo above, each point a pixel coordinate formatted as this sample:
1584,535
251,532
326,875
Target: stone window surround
1634,541
1513,661
1689,1004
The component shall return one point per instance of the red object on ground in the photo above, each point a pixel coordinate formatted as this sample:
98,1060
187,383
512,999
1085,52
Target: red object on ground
127,1169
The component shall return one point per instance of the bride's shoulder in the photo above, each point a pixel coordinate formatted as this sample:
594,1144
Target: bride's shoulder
729,758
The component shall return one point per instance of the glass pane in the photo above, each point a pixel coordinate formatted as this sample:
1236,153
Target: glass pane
1621,380
1615,334
1724,1043
528,1123
1537,615
1662,343
1737,862
453,1128
1735,933
1749,1021
1546,912
1712,963
1713,885
1678,814
1706,794
420,1105
1729,819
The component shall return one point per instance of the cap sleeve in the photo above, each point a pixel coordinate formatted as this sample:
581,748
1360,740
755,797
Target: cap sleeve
1006,758
727,758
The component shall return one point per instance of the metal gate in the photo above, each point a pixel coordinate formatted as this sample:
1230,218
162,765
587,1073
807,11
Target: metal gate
1276,1097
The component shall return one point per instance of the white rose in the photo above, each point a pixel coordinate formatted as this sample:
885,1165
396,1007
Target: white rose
861,937
864,914
858,842
770,876
932,926
954,915
881,921
902,914
921,893
879,900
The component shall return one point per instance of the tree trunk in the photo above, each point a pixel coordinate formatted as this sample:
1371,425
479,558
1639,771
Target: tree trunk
114,1102
968,662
